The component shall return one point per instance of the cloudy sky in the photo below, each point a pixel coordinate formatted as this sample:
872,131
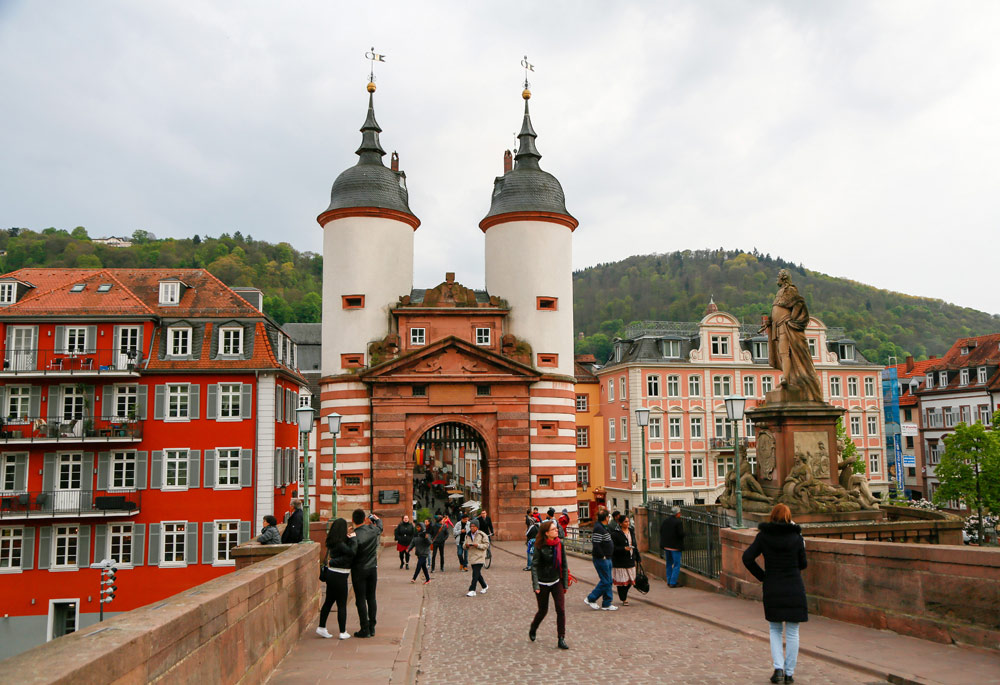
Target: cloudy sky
861,139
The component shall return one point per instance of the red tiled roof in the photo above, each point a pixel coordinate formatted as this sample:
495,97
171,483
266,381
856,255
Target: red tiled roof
919,369
983,350
263,356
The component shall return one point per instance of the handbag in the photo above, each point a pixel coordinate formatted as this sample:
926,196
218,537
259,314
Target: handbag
324,571
641,579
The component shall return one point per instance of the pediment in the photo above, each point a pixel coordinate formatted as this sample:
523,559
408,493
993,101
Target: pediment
450,359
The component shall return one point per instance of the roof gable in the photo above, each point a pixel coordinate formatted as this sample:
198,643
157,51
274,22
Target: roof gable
449,359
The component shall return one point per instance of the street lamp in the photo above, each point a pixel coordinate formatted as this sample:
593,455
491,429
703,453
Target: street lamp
642,418
734,410
304,415
334,425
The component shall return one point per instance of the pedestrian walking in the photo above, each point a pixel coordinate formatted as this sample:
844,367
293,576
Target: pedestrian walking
404,536
293,526
341,548
672,543
421,546
476,543
485,523
461,532
780,541
438,538
564,520
530,536
623,559
550,515
549,578
364,569
602,551
269,533
613,523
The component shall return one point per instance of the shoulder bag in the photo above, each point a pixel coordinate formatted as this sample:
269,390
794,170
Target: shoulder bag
641,579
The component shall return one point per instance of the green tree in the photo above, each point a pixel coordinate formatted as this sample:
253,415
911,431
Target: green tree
970,468
850,449
80,233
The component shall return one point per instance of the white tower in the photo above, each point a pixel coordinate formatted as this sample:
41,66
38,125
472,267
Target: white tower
529,255
367,252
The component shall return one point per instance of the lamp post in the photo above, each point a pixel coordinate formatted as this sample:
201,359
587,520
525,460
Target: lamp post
734,410
334,424
304,415
642,418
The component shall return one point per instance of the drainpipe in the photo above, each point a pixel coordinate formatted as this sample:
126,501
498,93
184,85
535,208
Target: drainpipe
371,452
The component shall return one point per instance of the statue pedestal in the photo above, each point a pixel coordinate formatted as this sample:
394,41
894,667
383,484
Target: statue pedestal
786,428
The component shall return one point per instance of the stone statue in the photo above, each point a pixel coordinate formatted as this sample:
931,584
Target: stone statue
856,484
754,497
788,350
802,492
766,459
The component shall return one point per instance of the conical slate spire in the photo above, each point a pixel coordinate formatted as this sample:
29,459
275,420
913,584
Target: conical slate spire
371,151
527,154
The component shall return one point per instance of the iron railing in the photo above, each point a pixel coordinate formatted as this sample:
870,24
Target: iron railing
28,429
727,443
578,540
63,362
702,546
69,503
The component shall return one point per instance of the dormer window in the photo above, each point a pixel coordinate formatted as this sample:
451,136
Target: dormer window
104,287
963,377
8,293
943,378
846,351
170,292
179,341
981,374
929,381
965,350
760,350
720,345
231,343
78,288
812,348
671,349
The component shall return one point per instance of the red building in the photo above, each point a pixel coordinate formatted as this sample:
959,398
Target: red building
148,416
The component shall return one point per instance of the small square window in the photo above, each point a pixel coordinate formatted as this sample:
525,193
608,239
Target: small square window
7,292
482,336
352,361
418,336
352,481
170,292
548,359
483,391
548,303
420,391
352,429
547,428
545,481
353,301
78,288
104,287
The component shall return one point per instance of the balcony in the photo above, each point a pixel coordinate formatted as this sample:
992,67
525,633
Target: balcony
38,362
69,504
727,444
31,430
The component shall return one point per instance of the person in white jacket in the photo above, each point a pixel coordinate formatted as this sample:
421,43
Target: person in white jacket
462,530
477,542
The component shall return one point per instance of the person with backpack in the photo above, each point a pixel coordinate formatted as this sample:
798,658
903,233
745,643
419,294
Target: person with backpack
529,539
421,546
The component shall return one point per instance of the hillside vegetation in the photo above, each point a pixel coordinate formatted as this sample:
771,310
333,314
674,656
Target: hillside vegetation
678,286
666,287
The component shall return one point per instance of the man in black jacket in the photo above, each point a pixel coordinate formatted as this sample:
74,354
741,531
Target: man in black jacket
603,548
672,542
364,570
293,527
438,537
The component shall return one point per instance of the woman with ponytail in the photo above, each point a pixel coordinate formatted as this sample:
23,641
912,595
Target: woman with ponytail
549,577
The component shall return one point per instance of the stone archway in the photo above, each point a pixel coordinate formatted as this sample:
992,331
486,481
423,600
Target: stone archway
461,448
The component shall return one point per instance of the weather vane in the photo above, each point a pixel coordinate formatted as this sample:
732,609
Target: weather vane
373,57
528,66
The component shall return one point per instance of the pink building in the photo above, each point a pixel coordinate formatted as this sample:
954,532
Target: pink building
682,371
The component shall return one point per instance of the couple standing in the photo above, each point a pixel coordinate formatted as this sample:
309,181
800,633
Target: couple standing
353,552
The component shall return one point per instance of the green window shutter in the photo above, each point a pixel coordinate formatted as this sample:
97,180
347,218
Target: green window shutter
91,346
246,401
244,534
101,543
138,543
55,413
191,543
142,402
140,469
207,541
212,411
35,403
44,547
194,393
87,480
60,347
89,407
159,401
194,468
28,548
277,469
49,472
246,468
278,404
154,543
21,473
156,473
211,480
103,470
83,547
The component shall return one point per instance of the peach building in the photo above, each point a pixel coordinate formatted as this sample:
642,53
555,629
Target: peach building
682,371
590,473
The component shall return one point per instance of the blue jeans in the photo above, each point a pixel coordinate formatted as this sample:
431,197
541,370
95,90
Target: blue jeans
603,588
463,556
787,661
531,551
673,559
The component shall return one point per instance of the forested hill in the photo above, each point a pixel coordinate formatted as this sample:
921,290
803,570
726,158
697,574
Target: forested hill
678,286
291,280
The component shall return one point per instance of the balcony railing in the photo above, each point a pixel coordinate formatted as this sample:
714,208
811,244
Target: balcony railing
109,361
30,429
69,503
727,444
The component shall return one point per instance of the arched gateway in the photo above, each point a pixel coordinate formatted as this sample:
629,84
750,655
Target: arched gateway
456,452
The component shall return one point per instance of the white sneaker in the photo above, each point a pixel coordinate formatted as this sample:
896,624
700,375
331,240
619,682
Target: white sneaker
344,636
592,605
610,607
323,632
470,593
483,591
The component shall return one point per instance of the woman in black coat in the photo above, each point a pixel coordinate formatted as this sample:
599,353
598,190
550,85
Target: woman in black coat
549,577
341,547
404,536
623,558
784,550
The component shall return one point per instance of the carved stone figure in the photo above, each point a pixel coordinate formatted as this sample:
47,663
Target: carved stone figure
788,350
804,493
766,459
856,484
754,498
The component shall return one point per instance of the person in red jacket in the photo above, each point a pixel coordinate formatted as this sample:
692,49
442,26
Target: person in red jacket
564,519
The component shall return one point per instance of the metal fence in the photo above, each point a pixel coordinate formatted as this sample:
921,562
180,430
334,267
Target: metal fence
578,540
702,547
57,503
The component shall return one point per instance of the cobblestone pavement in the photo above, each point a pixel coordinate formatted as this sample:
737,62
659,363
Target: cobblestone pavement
484,639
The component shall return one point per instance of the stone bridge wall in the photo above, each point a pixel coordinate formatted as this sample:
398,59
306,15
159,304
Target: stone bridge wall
234,629
945,593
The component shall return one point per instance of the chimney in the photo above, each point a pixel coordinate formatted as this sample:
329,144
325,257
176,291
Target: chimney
932,356
909,364
395,161
508,161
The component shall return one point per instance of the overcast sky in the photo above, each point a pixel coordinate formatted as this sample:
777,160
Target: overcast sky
861,139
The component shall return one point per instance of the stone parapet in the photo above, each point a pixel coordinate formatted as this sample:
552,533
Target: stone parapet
234,629
945,593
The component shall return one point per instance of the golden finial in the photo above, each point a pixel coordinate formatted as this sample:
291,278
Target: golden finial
528,66
371,86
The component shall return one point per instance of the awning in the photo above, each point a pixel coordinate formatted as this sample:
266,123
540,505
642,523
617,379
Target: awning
471,505
454,492
456,495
